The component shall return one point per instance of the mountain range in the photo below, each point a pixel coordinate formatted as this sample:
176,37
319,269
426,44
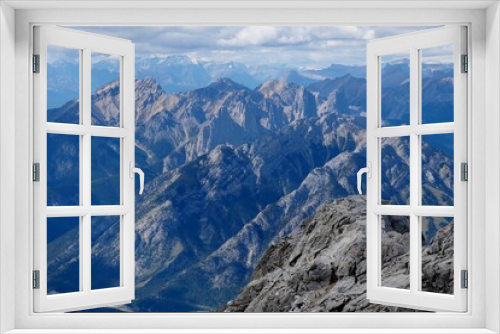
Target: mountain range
180,73
231,170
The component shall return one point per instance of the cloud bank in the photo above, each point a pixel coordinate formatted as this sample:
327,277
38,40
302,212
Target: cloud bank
296,46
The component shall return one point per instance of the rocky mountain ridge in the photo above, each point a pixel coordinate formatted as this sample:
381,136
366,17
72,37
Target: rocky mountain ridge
321,265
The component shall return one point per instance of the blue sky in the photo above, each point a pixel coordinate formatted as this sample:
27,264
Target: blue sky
295,46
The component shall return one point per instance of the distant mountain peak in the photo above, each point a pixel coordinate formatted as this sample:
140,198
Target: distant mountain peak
179,60
141,85
112,88
147,80
224,84
147,91
227,81
328,85
148,83
273,84
270,87
396,65
346,76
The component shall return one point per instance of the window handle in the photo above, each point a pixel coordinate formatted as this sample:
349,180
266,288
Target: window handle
368,171
141,176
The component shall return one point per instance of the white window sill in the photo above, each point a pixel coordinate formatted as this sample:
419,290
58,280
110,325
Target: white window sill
250,331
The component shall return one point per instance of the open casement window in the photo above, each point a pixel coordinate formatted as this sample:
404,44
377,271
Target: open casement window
70,177
421,205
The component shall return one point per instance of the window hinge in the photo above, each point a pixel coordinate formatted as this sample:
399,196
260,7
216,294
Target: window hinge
464,171
465,279
465,64
36,279
36,172
36,63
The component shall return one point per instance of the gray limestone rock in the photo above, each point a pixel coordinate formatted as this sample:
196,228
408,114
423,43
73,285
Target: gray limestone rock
321,265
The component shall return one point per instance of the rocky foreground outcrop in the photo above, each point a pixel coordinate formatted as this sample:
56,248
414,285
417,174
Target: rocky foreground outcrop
321,265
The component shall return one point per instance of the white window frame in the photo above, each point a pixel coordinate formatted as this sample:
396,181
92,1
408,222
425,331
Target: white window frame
483,49
85,43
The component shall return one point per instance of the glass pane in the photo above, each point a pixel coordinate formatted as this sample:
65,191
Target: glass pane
395,254
395,86
105,84
437,169
395,170
437,255
63,255
63,170
105,260
63,85
105,171
437,84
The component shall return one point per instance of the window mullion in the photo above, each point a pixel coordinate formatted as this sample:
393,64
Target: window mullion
122,176
81,231
418,235
433,129
396,131
85,236
421,129
414,170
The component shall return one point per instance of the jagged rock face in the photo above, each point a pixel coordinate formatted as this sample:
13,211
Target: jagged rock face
346,94
174,129
395,170
106,105
321,265
226,113
300,102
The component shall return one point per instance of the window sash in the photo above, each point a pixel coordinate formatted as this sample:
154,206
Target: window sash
85,298
414,298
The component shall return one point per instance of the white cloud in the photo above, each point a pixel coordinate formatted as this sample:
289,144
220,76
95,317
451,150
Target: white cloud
369,34
333,42
252,35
